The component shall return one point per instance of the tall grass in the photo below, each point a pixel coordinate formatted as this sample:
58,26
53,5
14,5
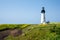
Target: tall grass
35,32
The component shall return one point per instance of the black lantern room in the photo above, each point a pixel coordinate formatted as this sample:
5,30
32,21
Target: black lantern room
42,11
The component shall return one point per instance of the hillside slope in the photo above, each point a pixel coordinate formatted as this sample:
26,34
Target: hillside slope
37,32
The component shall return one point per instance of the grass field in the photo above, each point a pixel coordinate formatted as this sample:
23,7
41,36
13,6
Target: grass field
34,31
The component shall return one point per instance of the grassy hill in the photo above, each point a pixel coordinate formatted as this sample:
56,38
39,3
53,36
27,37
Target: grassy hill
33,31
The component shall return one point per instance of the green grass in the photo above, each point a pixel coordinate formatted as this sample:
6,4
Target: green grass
13,26
34,31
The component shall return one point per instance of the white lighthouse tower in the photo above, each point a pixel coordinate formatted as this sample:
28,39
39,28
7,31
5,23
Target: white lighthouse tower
43,21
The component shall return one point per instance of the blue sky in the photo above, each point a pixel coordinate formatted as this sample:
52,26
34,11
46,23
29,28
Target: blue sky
28,11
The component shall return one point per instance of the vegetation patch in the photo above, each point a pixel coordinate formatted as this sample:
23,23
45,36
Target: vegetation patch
31,31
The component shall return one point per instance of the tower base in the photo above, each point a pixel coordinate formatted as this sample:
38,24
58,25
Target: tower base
43,23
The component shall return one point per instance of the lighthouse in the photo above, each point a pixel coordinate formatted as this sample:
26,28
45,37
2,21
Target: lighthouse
43,20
